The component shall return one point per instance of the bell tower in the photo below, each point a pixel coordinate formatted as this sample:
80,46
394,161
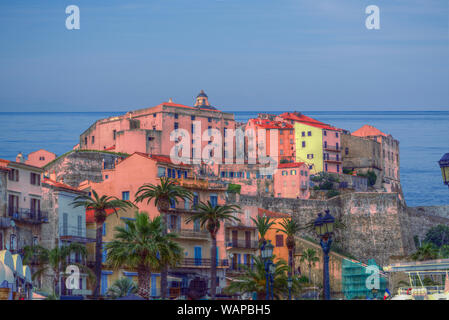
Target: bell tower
202,100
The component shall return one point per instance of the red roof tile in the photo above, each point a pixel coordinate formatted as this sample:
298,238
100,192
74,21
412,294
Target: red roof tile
90,214
60,185
290,165
299,117
368,130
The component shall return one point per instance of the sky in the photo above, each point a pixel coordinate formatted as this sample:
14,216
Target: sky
246,55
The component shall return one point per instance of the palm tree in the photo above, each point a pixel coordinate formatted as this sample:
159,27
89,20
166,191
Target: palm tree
143,245
310,257
100,205
55,260
210,216
263,224
427,251
254,280
122,287
163,194
290,228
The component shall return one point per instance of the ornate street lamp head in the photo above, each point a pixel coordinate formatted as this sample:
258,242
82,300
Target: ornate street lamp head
444,165
324,226
267,250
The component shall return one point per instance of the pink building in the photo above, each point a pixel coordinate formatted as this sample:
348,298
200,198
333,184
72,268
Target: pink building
291,180
37,158
148,130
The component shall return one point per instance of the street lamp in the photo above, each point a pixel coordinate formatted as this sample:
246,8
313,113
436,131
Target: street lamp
374,292
444,165
289,284
266,252
324,228
272,271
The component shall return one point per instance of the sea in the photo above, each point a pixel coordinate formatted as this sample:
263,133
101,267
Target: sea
423,137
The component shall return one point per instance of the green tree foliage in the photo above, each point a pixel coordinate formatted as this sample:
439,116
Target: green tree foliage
438,235
143,245
122,287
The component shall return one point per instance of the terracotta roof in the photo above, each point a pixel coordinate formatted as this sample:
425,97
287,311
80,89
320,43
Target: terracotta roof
60,185
5,163
368,130
270,124
90,214
271,214
299,117
159,158
110,148
290,165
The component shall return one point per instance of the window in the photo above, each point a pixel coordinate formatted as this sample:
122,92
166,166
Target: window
104,228
160,172
80,225
309,133
176,125
325,167
281,141
13,175
154,115
85,141
195,199
42,158
248,175
279,240
209,119
13,242
192,128
346,151
293,172
125,195
324,133
114,134
93,139
325,144
65,224
172,203
338,168
106,177
303,144
176,116
192,117
336,134
281,152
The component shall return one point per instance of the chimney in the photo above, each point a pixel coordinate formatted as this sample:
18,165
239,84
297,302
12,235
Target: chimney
170,100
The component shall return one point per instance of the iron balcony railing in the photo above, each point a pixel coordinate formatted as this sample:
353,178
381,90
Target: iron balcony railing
244,244
190,233
76,234
234,267
332,147
28,215
197,262
333,159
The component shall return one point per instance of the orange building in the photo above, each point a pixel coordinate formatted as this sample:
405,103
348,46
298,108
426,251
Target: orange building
291,180
278,239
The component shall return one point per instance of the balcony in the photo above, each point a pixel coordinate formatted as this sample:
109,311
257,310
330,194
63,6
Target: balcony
194,262
239,268
74,234
27,215
328,147
201,184
190,233
249,225
242,244
333,159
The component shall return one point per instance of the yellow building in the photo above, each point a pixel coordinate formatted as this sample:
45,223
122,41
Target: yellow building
309,146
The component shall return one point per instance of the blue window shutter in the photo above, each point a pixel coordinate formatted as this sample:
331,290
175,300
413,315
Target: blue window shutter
239,260
198,255
185,174
218,256
104,283
104,229
245,261
104,254
213,200
172,203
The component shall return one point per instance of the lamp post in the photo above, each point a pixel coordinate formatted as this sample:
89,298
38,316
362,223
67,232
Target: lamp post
289,284
272,271
444,165
324,228
266,251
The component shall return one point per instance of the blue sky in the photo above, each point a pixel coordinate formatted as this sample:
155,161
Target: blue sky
246,55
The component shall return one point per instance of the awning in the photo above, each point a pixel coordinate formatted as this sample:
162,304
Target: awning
27,274
18,267
36,296
6,274
6,259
